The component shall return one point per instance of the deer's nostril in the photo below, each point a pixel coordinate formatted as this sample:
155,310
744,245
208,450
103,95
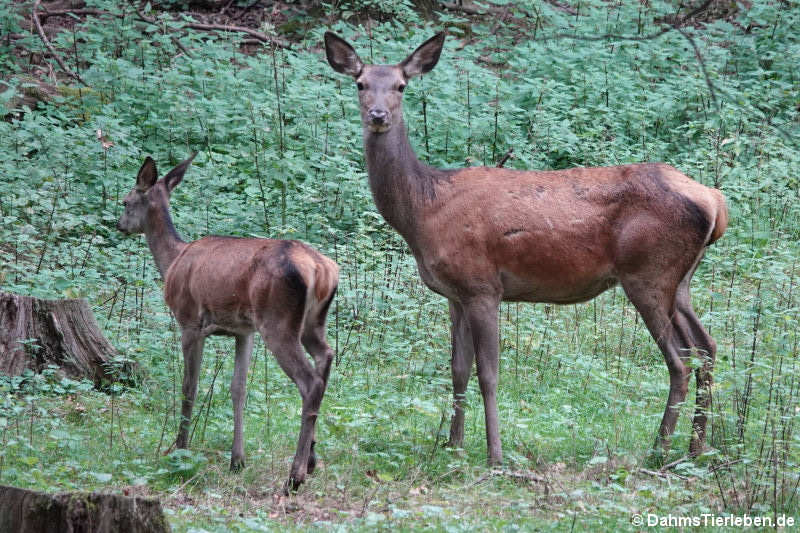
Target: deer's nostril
378,116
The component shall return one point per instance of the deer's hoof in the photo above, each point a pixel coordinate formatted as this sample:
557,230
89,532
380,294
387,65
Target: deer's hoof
291,485
237,463
312,460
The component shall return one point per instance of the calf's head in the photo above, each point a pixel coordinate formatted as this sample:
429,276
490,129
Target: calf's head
148,194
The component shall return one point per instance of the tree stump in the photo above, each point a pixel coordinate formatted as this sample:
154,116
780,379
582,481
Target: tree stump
27,511
35,333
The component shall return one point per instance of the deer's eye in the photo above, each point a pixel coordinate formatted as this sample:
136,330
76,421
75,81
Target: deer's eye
360,86
401,88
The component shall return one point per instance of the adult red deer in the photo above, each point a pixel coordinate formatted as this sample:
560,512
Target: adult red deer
483,235
236,286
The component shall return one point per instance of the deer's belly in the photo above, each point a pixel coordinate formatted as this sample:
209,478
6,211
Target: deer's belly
218,312
521,289
523,279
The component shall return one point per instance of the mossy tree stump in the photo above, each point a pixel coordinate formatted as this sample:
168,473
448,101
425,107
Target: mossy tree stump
27,511
35,333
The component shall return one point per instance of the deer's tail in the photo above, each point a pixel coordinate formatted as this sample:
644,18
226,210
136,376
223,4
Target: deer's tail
720,217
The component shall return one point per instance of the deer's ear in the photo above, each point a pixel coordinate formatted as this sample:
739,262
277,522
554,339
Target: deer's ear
424,58
147,175
174,177
341,55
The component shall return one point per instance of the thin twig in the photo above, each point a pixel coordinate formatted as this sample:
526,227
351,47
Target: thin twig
225,7
49,46
699,56
673,26
178,43
724,465
506,157
245,9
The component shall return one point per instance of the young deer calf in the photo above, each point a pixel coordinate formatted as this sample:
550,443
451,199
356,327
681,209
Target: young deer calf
235,286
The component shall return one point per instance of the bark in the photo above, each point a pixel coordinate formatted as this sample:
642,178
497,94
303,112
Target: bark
27,511
35,333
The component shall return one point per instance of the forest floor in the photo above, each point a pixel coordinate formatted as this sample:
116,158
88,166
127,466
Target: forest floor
582,387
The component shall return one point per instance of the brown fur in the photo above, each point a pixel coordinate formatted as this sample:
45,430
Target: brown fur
233,286
482,235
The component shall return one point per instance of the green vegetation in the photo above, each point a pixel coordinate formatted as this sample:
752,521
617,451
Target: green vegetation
582,387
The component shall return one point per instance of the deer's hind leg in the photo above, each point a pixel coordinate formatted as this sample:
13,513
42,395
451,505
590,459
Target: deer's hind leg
244,349
283,340
654,298
316,344
700,344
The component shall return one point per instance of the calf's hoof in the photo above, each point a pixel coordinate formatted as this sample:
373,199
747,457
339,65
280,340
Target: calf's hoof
456,444
495,460
697,447
656,457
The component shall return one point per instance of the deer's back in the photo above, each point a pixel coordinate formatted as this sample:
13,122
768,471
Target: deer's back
232,282
559,235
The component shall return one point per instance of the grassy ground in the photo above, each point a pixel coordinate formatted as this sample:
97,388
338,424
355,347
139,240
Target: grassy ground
582,388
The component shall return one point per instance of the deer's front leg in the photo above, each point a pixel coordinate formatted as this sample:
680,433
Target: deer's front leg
482,317
244,349
462,357
192,342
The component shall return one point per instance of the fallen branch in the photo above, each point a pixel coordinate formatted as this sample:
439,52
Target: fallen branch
280,43
469,10
257,35
673,464
45,14
662,475
46,41
566,8
515,474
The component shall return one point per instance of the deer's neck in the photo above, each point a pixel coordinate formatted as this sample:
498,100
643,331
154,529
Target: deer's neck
162,238
401,184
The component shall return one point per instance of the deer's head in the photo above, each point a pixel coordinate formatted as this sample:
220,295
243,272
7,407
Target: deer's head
148,192
380,87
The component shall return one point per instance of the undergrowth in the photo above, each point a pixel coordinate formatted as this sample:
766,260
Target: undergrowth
582,387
